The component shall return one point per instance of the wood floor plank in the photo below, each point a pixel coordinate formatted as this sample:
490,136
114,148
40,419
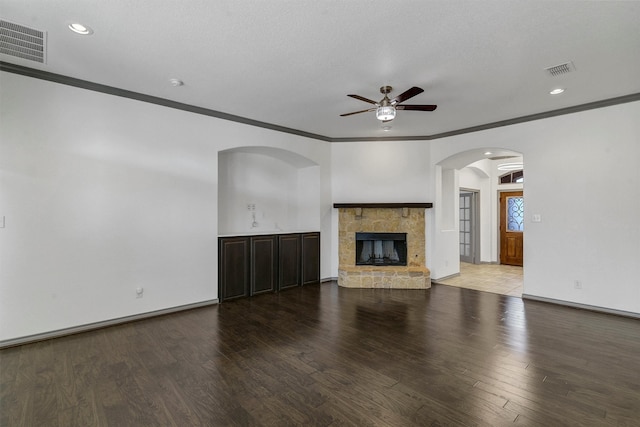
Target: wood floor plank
328,356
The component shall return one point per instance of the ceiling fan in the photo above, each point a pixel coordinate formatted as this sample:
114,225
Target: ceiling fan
386,108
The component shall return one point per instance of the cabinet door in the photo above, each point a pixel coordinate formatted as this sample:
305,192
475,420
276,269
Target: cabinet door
264,264
233,267
310,258
289,260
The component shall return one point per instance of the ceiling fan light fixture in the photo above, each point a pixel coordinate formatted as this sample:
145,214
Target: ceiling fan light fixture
385,113
386,108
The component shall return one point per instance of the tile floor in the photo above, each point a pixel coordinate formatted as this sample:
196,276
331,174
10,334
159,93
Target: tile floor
497,279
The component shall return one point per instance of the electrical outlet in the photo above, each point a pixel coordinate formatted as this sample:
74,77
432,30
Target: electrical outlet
139,292
577,284
251,207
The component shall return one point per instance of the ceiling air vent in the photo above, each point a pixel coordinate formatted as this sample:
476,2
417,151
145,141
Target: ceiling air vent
561,69
22,42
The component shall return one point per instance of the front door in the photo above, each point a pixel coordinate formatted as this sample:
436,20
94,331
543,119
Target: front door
511,227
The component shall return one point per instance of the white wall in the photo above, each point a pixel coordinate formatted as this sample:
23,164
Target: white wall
589,205
584,181
309,204
444,228
104,194
377,171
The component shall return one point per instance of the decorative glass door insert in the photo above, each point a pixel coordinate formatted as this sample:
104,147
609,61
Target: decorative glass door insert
515,213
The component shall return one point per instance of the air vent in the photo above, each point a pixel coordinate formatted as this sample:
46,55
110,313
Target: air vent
561,69
22,42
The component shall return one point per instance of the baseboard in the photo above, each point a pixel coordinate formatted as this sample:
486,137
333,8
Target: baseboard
451,276
97,325
582,306
329,279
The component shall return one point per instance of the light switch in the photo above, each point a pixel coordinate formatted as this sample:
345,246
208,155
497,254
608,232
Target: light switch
537,218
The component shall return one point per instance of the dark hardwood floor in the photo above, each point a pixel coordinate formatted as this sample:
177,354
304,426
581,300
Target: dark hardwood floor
323,355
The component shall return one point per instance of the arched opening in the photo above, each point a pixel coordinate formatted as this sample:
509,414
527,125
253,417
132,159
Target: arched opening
468,215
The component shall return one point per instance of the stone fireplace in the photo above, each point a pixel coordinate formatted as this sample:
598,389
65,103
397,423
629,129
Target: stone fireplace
382,245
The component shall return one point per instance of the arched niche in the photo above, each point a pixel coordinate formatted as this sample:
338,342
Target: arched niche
267,190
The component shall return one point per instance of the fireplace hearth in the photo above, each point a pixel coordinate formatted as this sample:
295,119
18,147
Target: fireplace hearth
381,249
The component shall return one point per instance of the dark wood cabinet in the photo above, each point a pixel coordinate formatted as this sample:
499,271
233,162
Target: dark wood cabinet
289,260
310,258
264,264
251,265
233,267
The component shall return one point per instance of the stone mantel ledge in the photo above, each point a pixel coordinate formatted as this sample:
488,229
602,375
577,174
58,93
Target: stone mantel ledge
383,268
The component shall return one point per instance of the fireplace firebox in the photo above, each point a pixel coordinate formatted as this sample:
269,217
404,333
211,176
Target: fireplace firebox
381,248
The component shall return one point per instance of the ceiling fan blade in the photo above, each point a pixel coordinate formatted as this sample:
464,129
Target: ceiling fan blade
357,112
407,94
361,98
417,107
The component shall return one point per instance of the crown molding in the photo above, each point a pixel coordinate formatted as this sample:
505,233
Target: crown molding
110,90
538,116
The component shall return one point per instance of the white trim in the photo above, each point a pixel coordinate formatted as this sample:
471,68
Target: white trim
451,276
98,325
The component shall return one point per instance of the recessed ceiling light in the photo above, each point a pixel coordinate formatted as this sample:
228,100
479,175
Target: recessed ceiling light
176,82
80,29
557,91
488,153
386,128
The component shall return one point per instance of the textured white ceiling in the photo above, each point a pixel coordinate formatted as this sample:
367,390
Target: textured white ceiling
292,63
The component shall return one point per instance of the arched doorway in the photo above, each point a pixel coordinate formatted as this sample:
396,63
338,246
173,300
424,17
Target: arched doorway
468,220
